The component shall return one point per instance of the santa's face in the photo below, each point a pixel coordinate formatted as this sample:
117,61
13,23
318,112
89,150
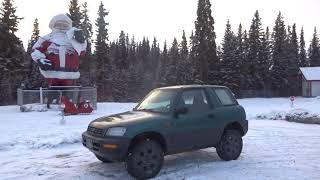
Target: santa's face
62,26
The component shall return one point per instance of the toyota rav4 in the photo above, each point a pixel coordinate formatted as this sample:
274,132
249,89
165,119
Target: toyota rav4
167,121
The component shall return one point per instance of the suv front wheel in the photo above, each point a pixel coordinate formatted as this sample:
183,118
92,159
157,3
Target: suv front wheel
230,145
145,159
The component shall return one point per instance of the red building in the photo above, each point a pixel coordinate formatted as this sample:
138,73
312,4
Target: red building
310,81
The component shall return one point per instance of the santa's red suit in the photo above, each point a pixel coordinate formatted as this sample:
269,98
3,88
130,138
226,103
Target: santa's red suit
58,52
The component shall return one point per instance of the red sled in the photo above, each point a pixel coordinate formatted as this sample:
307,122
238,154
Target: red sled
70,108
85,107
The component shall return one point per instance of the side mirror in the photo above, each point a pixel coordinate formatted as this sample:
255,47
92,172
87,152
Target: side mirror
182,110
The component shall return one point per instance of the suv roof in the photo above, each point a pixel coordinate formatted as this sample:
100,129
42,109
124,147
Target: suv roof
191,86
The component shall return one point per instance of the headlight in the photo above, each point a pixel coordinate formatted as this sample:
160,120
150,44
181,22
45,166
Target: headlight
116,131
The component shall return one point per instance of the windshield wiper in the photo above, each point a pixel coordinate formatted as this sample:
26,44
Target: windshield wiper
149,110
144,109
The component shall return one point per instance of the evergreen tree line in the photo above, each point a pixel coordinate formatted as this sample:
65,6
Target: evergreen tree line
12,54
257,59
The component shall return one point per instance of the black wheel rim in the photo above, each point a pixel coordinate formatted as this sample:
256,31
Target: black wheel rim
232,145
147,160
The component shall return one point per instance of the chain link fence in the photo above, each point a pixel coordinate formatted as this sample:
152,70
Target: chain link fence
258,93
52,95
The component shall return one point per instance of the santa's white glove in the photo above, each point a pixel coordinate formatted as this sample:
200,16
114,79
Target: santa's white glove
78,42
36,55
44,64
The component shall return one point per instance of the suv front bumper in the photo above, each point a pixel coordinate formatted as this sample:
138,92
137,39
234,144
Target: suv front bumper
111,148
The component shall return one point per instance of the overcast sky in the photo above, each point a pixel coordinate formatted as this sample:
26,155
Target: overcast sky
166,19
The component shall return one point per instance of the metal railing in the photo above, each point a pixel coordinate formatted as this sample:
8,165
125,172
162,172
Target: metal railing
257,93
53,94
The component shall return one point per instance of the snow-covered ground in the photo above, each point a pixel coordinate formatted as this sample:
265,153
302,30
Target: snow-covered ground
35,145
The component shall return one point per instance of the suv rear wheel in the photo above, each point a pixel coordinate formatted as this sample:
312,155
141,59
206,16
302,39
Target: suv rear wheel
230,145
145,159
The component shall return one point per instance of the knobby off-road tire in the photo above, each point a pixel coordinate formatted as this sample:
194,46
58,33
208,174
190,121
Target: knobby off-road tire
145,159
230,145
102,159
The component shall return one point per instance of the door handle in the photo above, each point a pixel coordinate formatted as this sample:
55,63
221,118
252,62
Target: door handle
169,125
211,116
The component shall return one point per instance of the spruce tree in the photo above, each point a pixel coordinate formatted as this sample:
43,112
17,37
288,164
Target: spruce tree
143,54
75,13
134,80
192,59
164,61
132,54
244,68
245,45
155,58
184,51
87,63
101,45
12,54
104,65
127,42
255,78
295,44
121,61
240,58
264,61
8,16
148,73
229,63
314,50
172,66
228,45
12,65
86,26
205,45
34,78
302,51
279,58
155,52
35,35
121,75
192,46
184,66
293,59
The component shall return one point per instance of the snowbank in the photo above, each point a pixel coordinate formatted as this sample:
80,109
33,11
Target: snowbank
302,116
305,110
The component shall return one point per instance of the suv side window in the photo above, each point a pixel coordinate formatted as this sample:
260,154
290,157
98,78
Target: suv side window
225,97
195,100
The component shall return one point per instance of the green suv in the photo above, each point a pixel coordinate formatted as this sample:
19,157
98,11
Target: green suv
167,121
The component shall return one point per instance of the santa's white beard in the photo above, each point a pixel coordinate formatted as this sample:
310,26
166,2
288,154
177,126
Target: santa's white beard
66,39
60,38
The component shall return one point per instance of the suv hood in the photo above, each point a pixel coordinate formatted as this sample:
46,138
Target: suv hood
123,119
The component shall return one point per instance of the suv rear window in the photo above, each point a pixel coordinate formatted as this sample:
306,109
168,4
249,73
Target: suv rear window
195,100
225,97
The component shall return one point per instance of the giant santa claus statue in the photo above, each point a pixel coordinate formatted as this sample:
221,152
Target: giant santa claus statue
57,53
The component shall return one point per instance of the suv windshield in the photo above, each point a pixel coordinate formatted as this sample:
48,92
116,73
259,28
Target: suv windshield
158,101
